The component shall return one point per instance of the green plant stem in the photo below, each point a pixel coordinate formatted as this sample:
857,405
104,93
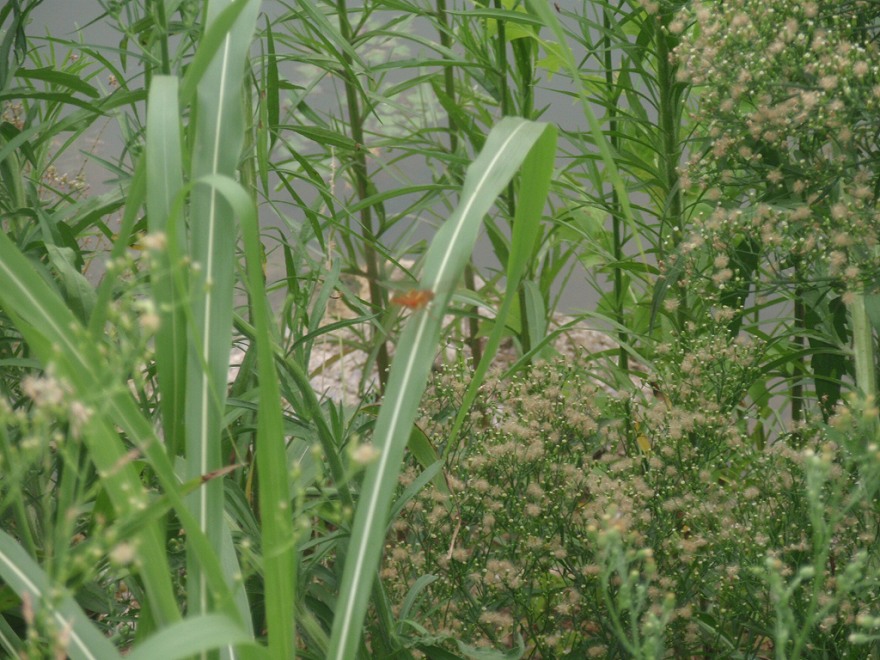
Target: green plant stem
800,314
610,565
668,116
501,63
448,73
617,221
248,175
509,197
162,24
362,188
470,282
473,338
522,50
821,528
668,112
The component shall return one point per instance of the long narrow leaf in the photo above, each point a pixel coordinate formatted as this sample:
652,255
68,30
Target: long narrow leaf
279,544
57,338
506,148
219,134
164,180
195,635
536,173
29,581
213,39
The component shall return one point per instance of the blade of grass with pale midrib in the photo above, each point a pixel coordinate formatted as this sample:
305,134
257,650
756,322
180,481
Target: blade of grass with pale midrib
508,145
219,131
29,581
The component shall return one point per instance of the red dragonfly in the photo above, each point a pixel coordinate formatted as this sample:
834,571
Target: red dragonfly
414,298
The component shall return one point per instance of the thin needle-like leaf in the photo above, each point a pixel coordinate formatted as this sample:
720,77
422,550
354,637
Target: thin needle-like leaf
541,8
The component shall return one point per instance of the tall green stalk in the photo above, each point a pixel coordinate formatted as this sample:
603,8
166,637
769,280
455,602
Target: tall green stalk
616,220
362,188
799,364
670,93
444,30
669,119
508,108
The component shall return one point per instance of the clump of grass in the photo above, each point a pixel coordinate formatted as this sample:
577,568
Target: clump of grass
541,515
561,524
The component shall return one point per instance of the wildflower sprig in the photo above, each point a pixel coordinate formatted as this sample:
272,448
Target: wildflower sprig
789,95
549,530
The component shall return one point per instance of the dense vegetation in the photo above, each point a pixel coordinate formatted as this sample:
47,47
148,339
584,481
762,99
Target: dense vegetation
297,175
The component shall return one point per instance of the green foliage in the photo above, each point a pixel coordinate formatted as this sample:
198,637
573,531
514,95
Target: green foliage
674,536
298,193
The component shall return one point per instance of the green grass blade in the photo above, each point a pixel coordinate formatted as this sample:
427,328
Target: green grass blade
863,347
273,83
164,180
28,580
506,148
213,39
10,641
123,411
219,133
536,173
542,9
56,338
60,79
278,540
195,635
